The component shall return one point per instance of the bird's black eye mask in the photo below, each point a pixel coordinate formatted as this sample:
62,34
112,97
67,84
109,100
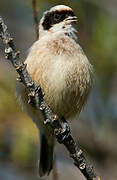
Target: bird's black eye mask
55,17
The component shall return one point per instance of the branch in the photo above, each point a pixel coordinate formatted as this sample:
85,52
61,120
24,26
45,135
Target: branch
35,17
35,95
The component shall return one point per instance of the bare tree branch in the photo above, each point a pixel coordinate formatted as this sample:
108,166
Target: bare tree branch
62,132
35,17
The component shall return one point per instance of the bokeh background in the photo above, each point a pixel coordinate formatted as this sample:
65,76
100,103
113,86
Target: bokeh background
96,131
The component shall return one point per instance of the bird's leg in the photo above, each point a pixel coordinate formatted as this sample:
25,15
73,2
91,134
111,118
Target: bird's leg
66,127
65,131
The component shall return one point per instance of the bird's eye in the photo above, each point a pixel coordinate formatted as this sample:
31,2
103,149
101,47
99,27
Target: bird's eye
57,17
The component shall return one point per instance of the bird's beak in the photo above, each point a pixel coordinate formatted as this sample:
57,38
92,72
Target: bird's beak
70,19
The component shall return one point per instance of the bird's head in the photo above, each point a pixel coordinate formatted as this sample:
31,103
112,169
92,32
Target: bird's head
58,19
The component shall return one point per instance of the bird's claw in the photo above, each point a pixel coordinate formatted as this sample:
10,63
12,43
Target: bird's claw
64,132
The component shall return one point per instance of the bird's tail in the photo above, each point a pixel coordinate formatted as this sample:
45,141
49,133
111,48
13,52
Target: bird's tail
46,155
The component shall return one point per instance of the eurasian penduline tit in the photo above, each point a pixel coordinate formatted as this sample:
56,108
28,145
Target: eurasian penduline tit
56,62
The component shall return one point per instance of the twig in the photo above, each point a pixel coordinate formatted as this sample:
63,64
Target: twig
55,173
35,17
36,26
36,98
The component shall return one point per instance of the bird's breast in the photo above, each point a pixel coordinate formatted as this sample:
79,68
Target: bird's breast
64,74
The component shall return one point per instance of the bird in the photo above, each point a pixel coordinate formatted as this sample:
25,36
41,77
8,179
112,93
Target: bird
59,65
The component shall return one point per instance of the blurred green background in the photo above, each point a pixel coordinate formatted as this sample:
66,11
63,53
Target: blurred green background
96,130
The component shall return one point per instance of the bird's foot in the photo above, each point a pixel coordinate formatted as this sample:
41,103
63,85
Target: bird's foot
65,131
